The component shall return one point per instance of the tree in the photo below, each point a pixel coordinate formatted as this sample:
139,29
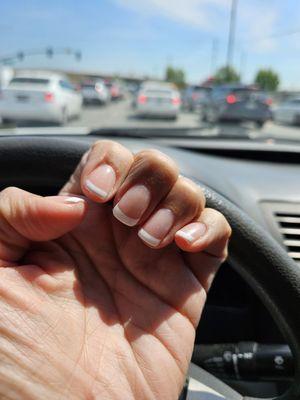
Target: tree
267,79
226,75
176,76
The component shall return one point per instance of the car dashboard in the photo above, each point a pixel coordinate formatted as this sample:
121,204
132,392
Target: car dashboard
268,190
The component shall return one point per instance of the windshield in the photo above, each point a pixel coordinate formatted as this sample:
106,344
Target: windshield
31,81
216,67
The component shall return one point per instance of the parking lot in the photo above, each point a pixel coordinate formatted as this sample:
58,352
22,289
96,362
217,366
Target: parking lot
121,114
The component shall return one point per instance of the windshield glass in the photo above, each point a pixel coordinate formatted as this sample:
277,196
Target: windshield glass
213,66
32,81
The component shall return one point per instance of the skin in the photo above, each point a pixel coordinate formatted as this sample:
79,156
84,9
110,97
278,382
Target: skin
87,309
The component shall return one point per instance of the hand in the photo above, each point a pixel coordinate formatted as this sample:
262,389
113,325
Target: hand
102,287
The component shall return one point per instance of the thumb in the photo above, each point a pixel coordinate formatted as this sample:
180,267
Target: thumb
26,217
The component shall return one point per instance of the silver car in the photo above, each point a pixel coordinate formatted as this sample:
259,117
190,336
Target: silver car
158,102
288,112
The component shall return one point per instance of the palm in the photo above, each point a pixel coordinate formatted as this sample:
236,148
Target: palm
105,307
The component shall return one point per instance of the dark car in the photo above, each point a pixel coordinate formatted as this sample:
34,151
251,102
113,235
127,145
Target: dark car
236,103
194,96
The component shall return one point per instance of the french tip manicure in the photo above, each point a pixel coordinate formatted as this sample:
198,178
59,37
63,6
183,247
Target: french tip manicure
118,213
184,235
96,190
147,238
192,232
70,200
74,200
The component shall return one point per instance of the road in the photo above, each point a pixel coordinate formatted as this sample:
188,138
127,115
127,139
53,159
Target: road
120,114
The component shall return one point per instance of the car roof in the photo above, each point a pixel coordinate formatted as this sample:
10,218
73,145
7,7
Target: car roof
39,75
159,89
93,82
158,85
197,87
234,87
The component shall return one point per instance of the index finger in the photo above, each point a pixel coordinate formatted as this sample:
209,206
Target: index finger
100,172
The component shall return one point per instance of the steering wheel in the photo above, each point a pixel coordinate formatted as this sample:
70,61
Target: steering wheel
47,163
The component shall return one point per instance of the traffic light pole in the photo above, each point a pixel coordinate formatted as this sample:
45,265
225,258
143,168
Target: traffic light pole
231,36
48,52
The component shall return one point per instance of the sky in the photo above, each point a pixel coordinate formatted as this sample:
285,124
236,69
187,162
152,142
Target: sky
142,37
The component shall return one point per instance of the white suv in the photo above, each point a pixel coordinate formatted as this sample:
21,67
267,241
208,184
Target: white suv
40,96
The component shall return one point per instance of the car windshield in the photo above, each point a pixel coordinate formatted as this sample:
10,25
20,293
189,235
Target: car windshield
88,86
216,67
31,81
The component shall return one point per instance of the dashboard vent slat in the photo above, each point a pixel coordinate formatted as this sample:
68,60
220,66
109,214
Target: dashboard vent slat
293,243
288,222
294,255
290,231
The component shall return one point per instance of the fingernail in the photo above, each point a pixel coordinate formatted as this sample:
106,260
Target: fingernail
71,200
157,227
101,181
132,205
74,200
192,232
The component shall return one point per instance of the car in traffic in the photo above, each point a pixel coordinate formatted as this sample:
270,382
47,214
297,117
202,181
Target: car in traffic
235,103
287,112
95,92
194,96
158,101
115,90
40,96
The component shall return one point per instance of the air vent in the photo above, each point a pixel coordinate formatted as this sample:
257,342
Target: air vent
284,221
289,227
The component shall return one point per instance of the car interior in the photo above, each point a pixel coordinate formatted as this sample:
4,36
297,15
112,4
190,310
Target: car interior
214,85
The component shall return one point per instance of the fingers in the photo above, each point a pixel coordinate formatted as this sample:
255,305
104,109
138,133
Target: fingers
138,182
26,217
101,171
184,202
149,180
148,193
210,233
206,244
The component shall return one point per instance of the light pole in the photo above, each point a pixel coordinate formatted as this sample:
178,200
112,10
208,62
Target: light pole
231,36
243,64
214,55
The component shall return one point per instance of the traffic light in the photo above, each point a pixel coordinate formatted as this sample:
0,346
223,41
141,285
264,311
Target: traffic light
78,55
49,52
20,55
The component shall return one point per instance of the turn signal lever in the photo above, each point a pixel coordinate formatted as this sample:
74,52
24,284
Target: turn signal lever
245,360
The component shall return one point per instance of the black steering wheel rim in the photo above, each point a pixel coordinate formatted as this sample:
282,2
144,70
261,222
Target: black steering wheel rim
255,255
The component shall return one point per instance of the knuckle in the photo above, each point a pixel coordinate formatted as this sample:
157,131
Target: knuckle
187,196
109,146
155,158
228,230
223,256
102,143
14,202
195,191
217,219
9,192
